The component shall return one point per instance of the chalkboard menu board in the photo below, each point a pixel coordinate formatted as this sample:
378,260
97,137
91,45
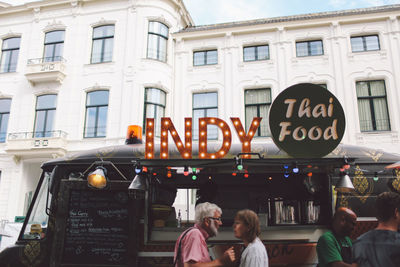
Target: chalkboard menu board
97,228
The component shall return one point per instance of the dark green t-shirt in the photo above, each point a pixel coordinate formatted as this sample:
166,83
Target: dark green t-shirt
329,248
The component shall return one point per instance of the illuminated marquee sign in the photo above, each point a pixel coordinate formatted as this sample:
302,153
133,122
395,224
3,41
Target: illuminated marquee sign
306,120
185,149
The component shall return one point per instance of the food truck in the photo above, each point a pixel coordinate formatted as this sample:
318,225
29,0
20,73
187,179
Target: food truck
114,206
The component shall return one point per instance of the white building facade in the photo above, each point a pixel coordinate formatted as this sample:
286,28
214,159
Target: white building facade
75,73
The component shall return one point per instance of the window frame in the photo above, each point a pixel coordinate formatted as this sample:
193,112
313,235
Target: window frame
54,45
97,106
43,133
103,38
12,51
159,36
258,105
363,38
371,105
255,52
205,116
205,57
2,121
157,134
309,47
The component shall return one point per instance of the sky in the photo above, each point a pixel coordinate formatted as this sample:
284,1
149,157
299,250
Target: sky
205,12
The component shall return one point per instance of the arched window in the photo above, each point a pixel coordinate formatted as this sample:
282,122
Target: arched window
96,114
103,41
5,104
157,41
154,107
45,115
53,46
9,54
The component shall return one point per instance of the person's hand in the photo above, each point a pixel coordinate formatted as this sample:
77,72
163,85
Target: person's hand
229,256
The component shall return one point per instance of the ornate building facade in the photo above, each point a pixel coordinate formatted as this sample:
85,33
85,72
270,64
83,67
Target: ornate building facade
75,73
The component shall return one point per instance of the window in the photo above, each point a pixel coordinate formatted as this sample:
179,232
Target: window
5,105
154,107
372,106
205,105
309,48
9,54
365,43
102,49
53,46
45,115
253,53
38,214
257,104
209,57
96,114
157,41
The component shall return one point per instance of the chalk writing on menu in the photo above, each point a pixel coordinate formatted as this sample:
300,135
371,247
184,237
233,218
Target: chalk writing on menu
97,228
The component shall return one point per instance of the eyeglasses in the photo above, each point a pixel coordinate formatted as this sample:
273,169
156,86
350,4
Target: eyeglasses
216,219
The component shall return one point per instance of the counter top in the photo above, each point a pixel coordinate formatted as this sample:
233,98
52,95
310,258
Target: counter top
286,233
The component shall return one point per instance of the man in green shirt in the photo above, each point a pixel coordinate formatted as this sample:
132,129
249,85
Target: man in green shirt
334,246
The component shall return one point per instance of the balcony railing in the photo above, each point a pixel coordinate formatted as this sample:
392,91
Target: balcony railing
40,143
46,59
39,134
46,69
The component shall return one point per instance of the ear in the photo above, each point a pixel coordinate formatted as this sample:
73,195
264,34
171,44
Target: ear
206,221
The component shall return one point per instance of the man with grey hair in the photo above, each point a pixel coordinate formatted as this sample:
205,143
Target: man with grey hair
191,247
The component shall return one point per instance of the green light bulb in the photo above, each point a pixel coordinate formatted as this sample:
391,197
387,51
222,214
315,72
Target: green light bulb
240,167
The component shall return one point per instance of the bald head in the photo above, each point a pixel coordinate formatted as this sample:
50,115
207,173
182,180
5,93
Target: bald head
344,212
344,221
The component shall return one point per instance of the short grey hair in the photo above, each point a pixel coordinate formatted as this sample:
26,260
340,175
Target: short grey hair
204,210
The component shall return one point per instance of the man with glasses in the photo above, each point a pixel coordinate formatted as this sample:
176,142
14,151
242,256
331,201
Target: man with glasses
191,247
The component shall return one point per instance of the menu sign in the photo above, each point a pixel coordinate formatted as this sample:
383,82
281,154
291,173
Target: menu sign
306,120
97,228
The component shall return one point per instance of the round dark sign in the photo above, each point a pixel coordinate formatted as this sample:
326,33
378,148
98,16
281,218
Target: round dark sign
306,121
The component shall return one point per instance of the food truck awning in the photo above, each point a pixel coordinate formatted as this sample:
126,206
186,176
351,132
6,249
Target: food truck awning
267,154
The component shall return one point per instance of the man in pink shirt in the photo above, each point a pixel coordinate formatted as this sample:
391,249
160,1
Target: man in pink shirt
191,247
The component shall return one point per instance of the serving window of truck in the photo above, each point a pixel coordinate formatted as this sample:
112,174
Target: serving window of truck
126,205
